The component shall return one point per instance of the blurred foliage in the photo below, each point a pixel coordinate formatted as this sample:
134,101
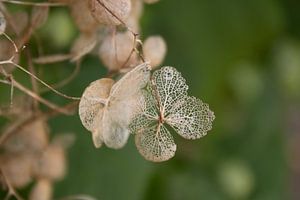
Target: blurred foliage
241,57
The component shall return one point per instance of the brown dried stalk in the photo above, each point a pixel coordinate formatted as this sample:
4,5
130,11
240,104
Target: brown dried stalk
33,3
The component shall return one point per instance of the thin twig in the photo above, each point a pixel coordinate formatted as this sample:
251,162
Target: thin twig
33,3
39,80
11,80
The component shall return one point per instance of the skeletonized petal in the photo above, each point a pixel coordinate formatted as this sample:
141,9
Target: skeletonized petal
191,118
155,143
169,86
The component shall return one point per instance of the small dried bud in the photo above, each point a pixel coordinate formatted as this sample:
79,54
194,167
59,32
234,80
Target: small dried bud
2,23
110,12
42,190
82,16
31,138
17,169
151,1
52,163
83,45
155,49
116,51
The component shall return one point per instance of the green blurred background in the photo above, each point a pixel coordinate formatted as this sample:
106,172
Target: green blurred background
243,58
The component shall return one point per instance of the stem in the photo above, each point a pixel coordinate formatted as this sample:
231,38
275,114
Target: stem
33,3
41,81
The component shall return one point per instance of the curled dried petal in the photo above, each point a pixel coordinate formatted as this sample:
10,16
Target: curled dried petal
91,107
116,49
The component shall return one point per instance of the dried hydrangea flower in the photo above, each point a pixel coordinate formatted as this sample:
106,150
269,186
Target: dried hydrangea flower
106,110
166,104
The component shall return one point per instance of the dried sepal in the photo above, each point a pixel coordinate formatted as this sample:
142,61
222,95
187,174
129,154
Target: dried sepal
42,190
91,107
83,45
51,164
2,23
169,86
165,101
17,169
108,117
30,138
102,11
155,50
116,51
82,16
191,118
156,143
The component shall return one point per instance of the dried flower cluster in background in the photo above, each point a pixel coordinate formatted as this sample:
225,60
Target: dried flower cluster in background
138,102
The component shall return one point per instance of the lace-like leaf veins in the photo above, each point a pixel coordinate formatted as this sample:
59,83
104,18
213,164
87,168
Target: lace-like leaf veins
166,101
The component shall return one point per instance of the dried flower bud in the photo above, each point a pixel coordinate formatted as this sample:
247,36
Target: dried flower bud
155,49
82,16
151,1
17,169
42,190
2,23
52,163
84,44
116,49
102,11
39,16
31,138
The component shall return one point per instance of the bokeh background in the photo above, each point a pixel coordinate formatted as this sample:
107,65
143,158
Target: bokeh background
243,58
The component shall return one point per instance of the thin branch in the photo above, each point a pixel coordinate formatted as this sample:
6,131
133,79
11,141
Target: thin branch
26,3
11,80
39,80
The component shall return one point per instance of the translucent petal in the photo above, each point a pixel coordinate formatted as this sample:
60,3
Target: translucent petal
155,143
131,83
169,86
191,118
90,106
